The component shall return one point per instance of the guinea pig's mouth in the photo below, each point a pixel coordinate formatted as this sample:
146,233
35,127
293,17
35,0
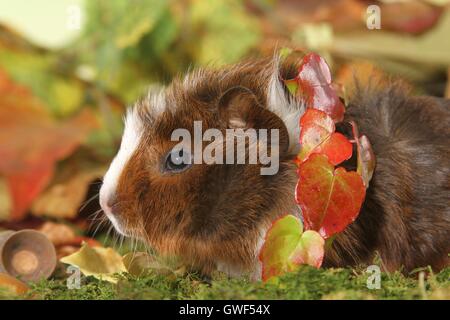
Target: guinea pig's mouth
121,225
112,211
118,226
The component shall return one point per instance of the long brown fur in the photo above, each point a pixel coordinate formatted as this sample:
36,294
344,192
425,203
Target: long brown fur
216,213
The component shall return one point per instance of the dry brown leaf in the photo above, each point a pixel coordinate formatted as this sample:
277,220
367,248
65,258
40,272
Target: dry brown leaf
65,196
57,233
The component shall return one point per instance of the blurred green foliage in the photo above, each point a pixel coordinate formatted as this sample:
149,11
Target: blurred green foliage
124,47
157,39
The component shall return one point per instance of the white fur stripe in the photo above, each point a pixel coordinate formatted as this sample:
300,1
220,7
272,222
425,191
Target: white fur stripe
156,100
130,141
288,109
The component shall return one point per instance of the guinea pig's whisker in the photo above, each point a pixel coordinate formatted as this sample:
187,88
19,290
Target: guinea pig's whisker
102,222
94,216
134,240
117,237
144,236
133,244
120,243
85,204
96,221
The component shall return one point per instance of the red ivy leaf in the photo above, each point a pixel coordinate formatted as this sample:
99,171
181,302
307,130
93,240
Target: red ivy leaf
286,247
314,78
318,136
310,250
366,156
26,185
330,198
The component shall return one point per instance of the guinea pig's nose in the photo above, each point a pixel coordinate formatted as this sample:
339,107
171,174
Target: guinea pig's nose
112,204
109,204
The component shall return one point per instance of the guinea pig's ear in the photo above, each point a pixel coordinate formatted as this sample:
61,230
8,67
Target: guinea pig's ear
239,108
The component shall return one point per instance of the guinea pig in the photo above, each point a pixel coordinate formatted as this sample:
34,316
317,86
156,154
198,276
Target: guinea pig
214,216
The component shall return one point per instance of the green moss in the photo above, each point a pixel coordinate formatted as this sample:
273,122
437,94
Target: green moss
307,283
89,289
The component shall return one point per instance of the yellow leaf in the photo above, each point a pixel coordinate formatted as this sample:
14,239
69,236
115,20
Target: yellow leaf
140,263
101,263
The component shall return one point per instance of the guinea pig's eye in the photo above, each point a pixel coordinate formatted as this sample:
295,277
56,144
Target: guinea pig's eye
177,160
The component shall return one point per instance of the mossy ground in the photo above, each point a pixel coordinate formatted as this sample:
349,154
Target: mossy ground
307,283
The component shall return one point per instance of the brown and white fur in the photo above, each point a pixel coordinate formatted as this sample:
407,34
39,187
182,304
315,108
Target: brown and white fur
215,216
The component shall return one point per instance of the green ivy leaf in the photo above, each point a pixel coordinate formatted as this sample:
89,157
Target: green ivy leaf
287,247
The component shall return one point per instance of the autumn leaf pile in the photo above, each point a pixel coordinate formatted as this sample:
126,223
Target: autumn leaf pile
27,161
329,197
61,110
